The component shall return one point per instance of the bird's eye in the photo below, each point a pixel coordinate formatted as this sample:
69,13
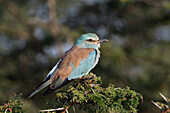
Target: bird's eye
90,40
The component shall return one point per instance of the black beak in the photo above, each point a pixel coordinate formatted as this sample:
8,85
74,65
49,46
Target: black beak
103,40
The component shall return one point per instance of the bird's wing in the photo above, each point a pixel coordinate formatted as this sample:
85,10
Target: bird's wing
46,81
75,63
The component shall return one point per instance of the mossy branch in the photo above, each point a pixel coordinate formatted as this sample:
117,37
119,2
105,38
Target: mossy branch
90,96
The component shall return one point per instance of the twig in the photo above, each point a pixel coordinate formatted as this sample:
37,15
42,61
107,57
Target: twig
117,88
74,109
10,109
6,110
156,104
93,91
66,111
58,109
92,85
163,97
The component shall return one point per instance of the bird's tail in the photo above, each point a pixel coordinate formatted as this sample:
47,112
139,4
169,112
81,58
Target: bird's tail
49,90
40,87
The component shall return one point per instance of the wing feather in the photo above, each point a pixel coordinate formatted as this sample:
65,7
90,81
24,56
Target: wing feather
75,63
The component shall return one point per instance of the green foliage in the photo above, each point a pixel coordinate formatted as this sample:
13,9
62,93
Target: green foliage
137,54
90,96
14,105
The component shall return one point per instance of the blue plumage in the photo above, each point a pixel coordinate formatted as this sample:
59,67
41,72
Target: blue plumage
76,62
83,67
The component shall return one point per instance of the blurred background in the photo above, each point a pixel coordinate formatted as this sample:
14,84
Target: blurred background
34,34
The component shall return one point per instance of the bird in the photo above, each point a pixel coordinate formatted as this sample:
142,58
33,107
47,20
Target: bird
75,63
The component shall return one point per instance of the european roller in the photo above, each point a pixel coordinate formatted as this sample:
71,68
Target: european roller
75,63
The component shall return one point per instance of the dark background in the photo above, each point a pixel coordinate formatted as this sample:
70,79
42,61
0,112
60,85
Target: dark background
34,34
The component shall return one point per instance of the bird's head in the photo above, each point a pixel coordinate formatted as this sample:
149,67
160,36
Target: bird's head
89,40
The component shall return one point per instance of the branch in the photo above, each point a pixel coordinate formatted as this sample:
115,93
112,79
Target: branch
165,108
88,94
58,110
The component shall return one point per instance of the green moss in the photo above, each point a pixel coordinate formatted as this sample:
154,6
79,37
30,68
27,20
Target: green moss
91,97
